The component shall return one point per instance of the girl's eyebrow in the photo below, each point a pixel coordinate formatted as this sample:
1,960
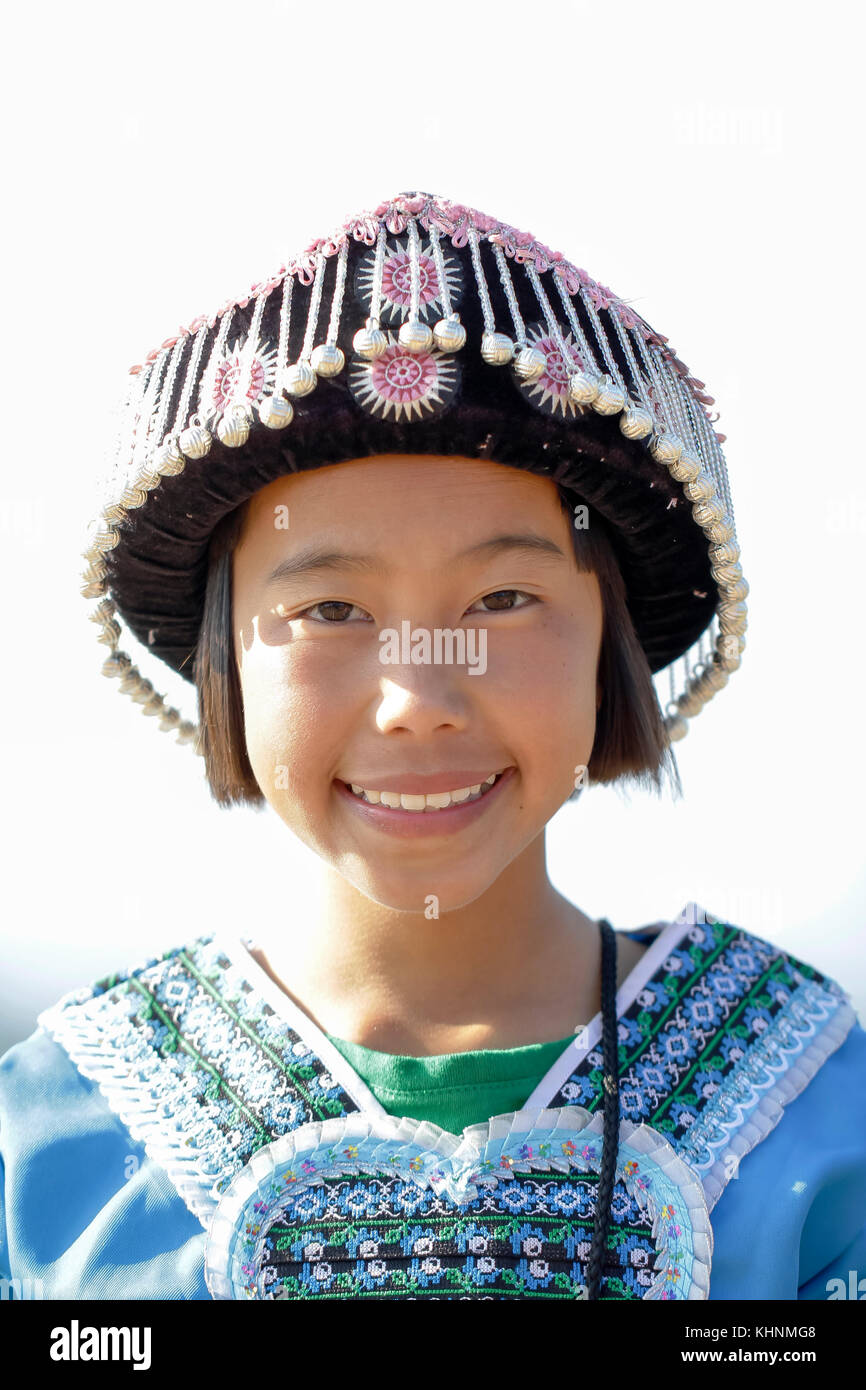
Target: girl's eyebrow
315,558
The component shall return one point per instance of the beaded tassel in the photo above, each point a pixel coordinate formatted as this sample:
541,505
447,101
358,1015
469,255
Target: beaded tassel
612,394
528,363
171,457
328,359
274,410
497,349
449,334
300,379
233,426
414,334
370,342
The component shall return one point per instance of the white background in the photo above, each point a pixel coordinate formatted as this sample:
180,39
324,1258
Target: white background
703,160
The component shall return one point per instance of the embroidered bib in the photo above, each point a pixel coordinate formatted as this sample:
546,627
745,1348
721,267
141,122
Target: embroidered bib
309,1189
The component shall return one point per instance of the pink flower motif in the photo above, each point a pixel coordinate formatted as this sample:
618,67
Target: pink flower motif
228,376
400,376
396,278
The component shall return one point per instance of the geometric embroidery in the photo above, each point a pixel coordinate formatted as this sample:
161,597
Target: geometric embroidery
210,1066
721,1019
393,1208
354,1239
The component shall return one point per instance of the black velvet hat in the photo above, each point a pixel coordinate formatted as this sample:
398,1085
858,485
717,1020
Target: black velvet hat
423,326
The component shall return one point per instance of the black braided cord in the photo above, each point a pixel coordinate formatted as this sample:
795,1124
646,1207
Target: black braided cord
610,1136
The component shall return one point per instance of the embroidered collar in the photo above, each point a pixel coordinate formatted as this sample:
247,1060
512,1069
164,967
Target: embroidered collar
207,1061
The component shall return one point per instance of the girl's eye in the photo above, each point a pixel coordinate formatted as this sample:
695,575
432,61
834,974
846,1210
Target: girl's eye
333,620
338,618
504,593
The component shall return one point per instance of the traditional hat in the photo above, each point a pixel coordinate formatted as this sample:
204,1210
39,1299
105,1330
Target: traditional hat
422,326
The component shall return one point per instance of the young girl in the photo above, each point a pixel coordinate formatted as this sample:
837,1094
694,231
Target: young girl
422,517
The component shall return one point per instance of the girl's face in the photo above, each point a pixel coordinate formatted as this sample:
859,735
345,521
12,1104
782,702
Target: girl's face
405,543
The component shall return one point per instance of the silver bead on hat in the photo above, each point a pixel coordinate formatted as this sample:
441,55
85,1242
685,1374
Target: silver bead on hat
529,363
233,428
636,422
701,489
169,458
299,379
370,343
327,360
676,727
195,440
497,349
610,398
666,448
275,412
449,335
685,469
583,388
415,336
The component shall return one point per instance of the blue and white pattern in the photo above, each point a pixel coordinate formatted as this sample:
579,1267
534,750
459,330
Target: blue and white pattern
210,1065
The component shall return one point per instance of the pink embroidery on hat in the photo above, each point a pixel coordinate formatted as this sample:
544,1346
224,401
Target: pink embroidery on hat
396,283
455,221
227,382
402,384
550,392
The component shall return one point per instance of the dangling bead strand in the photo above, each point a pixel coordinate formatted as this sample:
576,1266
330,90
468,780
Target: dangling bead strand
275,411
612,395
196,439
497,349
449,335
584,383
300,379
370,342
636,421
575,376
328,359
170,456
166,455
233,429
666,445
415,335
528,363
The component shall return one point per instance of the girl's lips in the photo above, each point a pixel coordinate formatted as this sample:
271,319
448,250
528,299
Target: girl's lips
396,821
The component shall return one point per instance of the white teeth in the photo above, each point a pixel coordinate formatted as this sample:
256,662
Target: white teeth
436,801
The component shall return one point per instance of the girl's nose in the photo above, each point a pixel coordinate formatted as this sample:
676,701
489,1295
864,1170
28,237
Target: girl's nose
427,699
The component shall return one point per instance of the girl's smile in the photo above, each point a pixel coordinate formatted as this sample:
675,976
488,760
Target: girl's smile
428,820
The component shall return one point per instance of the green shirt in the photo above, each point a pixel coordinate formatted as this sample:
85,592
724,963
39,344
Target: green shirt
453,1089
